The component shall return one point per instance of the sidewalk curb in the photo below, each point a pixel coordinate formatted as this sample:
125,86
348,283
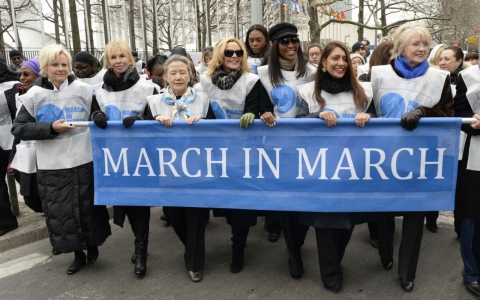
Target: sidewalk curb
29,233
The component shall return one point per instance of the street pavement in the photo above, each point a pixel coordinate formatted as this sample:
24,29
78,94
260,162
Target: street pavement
31,272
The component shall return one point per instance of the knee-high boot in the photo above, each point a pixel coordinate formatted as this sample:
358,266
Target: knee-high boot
141,244
239,239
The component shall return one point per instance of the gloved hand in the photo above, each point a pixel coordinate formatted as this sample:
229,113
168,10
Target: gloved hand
410,120
246,120
100,119
128,121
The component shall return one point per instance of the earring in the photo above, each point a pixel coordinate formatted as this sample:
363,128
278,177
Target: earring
324,69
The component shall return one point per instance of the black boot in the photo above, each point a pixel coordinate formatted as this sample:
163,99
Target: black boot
237,260
79,261
92,254
140,256
239,239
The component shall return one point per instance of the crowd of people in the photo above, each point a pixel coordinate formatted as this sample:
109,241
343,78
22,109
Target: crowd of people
242,81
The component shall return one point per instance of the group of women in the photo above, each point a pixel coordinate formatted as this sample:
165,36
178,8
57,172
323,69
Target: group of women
288,85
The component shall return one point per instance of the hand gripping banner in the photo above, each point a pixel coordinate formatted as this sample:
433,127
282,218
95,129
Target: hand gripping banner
297,165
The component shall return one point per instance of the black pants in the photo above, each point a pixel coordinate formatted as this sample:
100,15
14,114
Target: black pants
331,245
373,230
431,216
412,232
294,234
139,218
272,222
189,225
7,219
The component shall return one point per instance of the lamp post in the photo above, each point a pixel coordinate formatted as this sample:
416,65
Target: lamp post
346,38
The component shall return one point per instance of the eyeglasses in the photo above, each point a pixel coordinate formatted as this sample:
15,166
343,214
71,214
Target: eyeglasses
314,54
81,70
287,41
229,53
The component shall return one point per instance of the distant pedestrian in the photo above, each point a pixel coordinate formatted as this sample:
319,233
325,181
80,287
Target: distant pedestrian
16,60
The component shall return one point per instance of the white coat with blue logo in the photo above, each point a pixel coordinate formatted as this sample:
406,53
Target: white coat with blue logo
199,106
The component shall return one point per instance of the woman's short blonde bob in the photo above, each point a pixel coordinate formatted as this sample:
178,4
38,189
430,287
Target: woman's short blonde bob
49,54
110,49
219,57
405,33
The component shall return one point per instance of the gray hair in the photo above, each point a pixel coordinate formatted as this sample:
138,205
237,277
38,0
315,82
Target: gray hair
183,59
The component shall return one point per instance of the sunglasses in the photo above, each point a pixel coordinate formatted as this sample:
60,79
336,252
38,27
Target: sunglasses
229,53
287,41
81,70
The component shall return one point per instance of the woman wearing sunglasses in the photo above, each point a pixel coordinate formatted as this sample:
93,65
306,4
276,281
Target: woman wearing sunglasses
286,69
87,68
257,45
334,93
235,93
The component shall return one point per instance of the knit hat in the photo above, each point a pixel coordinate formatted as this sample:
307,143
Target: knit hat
84,57
356,55
33,64
180,51
14,53
281,30
357,45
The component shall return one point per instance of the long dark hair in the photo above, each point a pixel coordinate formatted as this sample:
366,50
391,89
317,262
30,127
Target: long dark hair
380,56
359,97
274,69
264,31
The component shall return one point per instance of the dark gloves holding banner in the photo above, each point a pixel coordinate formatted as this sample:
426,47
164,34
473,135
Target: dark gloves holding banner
246,120
128,121
410,120
100,119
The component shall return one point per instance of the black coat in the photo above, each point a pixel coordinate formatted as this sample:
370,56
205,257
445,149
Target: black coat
73,221
467,204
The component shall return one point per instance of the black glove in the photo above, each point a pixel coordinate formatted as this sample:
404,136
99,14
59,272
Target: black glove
410,120
128,121
100,119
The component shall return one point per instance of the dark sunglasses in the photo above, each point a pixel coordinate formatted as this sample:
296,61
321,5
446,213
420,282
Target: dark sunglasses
286,41
229,53
81,70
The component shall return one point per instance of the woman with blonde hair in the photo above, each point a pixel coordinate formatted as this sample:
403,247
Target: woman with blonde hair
123,97
64,157
409,89
206,57
235,93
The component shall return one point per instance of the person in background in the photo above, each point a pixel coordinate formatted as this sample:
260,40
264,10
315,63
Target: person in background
357,60
359,48
434,56
257,45
456,44
16,60
467,204
8,89
139,64
408,72
472,58
367,46
206,57
87,68
314,52
156,69
123,97
64,157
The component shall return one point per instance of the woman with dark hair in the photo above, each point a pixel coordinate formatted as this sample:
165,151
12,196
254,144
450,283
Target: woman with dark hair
286,70
409,89
314,52
335,92
472,58
87,68
382,55
257,45
156,70
8,88
64,152
123,97
451,60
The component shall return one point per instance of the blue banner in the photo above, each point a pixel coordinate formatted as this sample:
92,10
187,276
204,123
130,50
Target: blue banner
297,165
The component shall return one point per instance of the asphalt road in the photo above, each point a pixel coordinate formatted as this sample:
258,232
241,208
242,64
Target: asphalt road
31,272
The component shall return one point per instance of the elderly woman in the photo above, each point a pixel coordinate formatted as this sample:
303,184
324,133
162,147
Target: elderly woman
335,92
64,157
467,204
235,93
257,46
408,75
121,84
8,89
286,70
181,102
87,68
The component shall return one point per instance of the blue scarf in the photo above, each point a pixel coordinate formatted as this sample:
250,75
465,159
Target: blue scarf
408,72
181,104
